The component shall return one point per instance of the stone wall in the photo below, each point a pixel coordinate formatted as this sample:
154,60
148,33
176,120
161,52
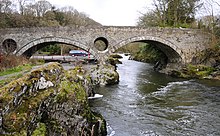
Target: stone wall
49,101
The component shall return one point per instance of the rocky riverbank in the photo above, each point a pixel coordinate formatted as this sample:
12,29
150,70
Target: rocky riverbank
52,101
194,71
204,66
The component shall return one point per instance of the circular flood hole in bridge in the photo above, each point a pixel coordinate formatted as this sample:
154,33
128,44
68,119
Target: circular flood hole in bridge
101,43
9,46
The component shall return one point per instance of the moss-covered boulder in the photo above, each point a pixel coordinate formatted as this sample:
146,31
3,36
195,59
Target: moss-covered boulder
104,75
49,101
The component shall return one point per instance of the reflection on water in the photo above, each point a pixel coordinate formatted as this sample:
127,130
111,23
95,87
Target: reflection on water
147,103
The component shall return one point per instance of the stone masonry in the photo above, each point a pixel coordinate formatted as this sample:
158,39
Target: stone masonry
179,44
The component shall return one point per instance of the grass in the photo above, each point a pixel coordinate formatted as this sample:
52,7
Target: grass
20,68
13,67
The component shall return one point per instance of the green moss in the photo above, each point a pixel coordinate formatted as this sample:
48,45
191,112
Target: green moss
81,94
64,92
193,71
68,89
199,71
9,79
21,133
15,121
41,130
2,82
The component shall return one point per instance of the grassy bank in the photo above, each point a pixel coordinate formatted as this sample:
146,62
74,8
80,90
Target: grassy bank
24,67
13,67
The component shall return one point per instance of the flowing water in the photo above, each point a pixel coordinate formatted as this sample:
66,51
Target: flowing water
147,103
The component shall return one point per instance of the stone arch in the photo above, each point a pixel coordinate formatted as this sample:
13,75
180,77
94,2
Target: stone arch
56,40
9,45
171,50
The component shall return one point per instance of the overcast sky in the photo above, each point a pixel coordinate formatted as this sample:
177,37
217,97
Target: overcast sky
122,12
108,12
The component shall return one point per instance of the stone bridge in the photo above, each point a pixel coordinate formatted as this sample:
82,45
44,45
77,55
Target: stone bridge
179,45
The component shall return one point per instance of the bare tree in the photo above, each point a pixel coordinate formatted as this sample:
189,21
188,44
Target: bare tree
209,14
30,9
5,6
22,4
42,7
160,10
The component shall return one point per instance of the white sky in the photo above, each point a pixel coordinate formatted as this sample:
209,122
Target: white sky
122,12
108,12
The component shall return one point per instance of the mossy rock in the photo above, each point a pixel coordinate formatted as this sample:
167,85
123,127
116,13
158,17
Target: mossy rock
113,61
193,71
35,110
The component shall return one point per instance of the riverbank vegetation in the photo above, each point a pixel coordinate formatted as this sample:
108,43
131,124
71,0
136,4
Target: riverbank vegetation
13,63
143,52
16,69
149,53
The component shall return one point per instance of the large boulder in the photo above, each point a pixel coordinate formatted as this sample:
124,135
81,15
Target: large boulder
49,101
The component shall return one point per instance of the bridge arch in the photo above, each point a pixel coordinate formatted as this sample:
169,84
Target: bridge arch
43,40
173,53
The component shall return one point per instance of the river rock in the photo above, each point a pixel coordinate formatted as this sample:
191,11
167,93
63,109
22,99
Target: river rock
105,74
113,61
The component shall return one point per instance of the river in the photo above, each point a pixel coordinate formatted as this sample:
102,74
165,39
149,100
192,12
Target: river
148,103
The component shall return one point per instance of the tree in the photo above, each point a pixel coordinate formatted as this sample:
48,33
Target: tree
29,9
172,12
160,11
69,16
22,4
6,6
40,14
42,7
148,19
209,19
